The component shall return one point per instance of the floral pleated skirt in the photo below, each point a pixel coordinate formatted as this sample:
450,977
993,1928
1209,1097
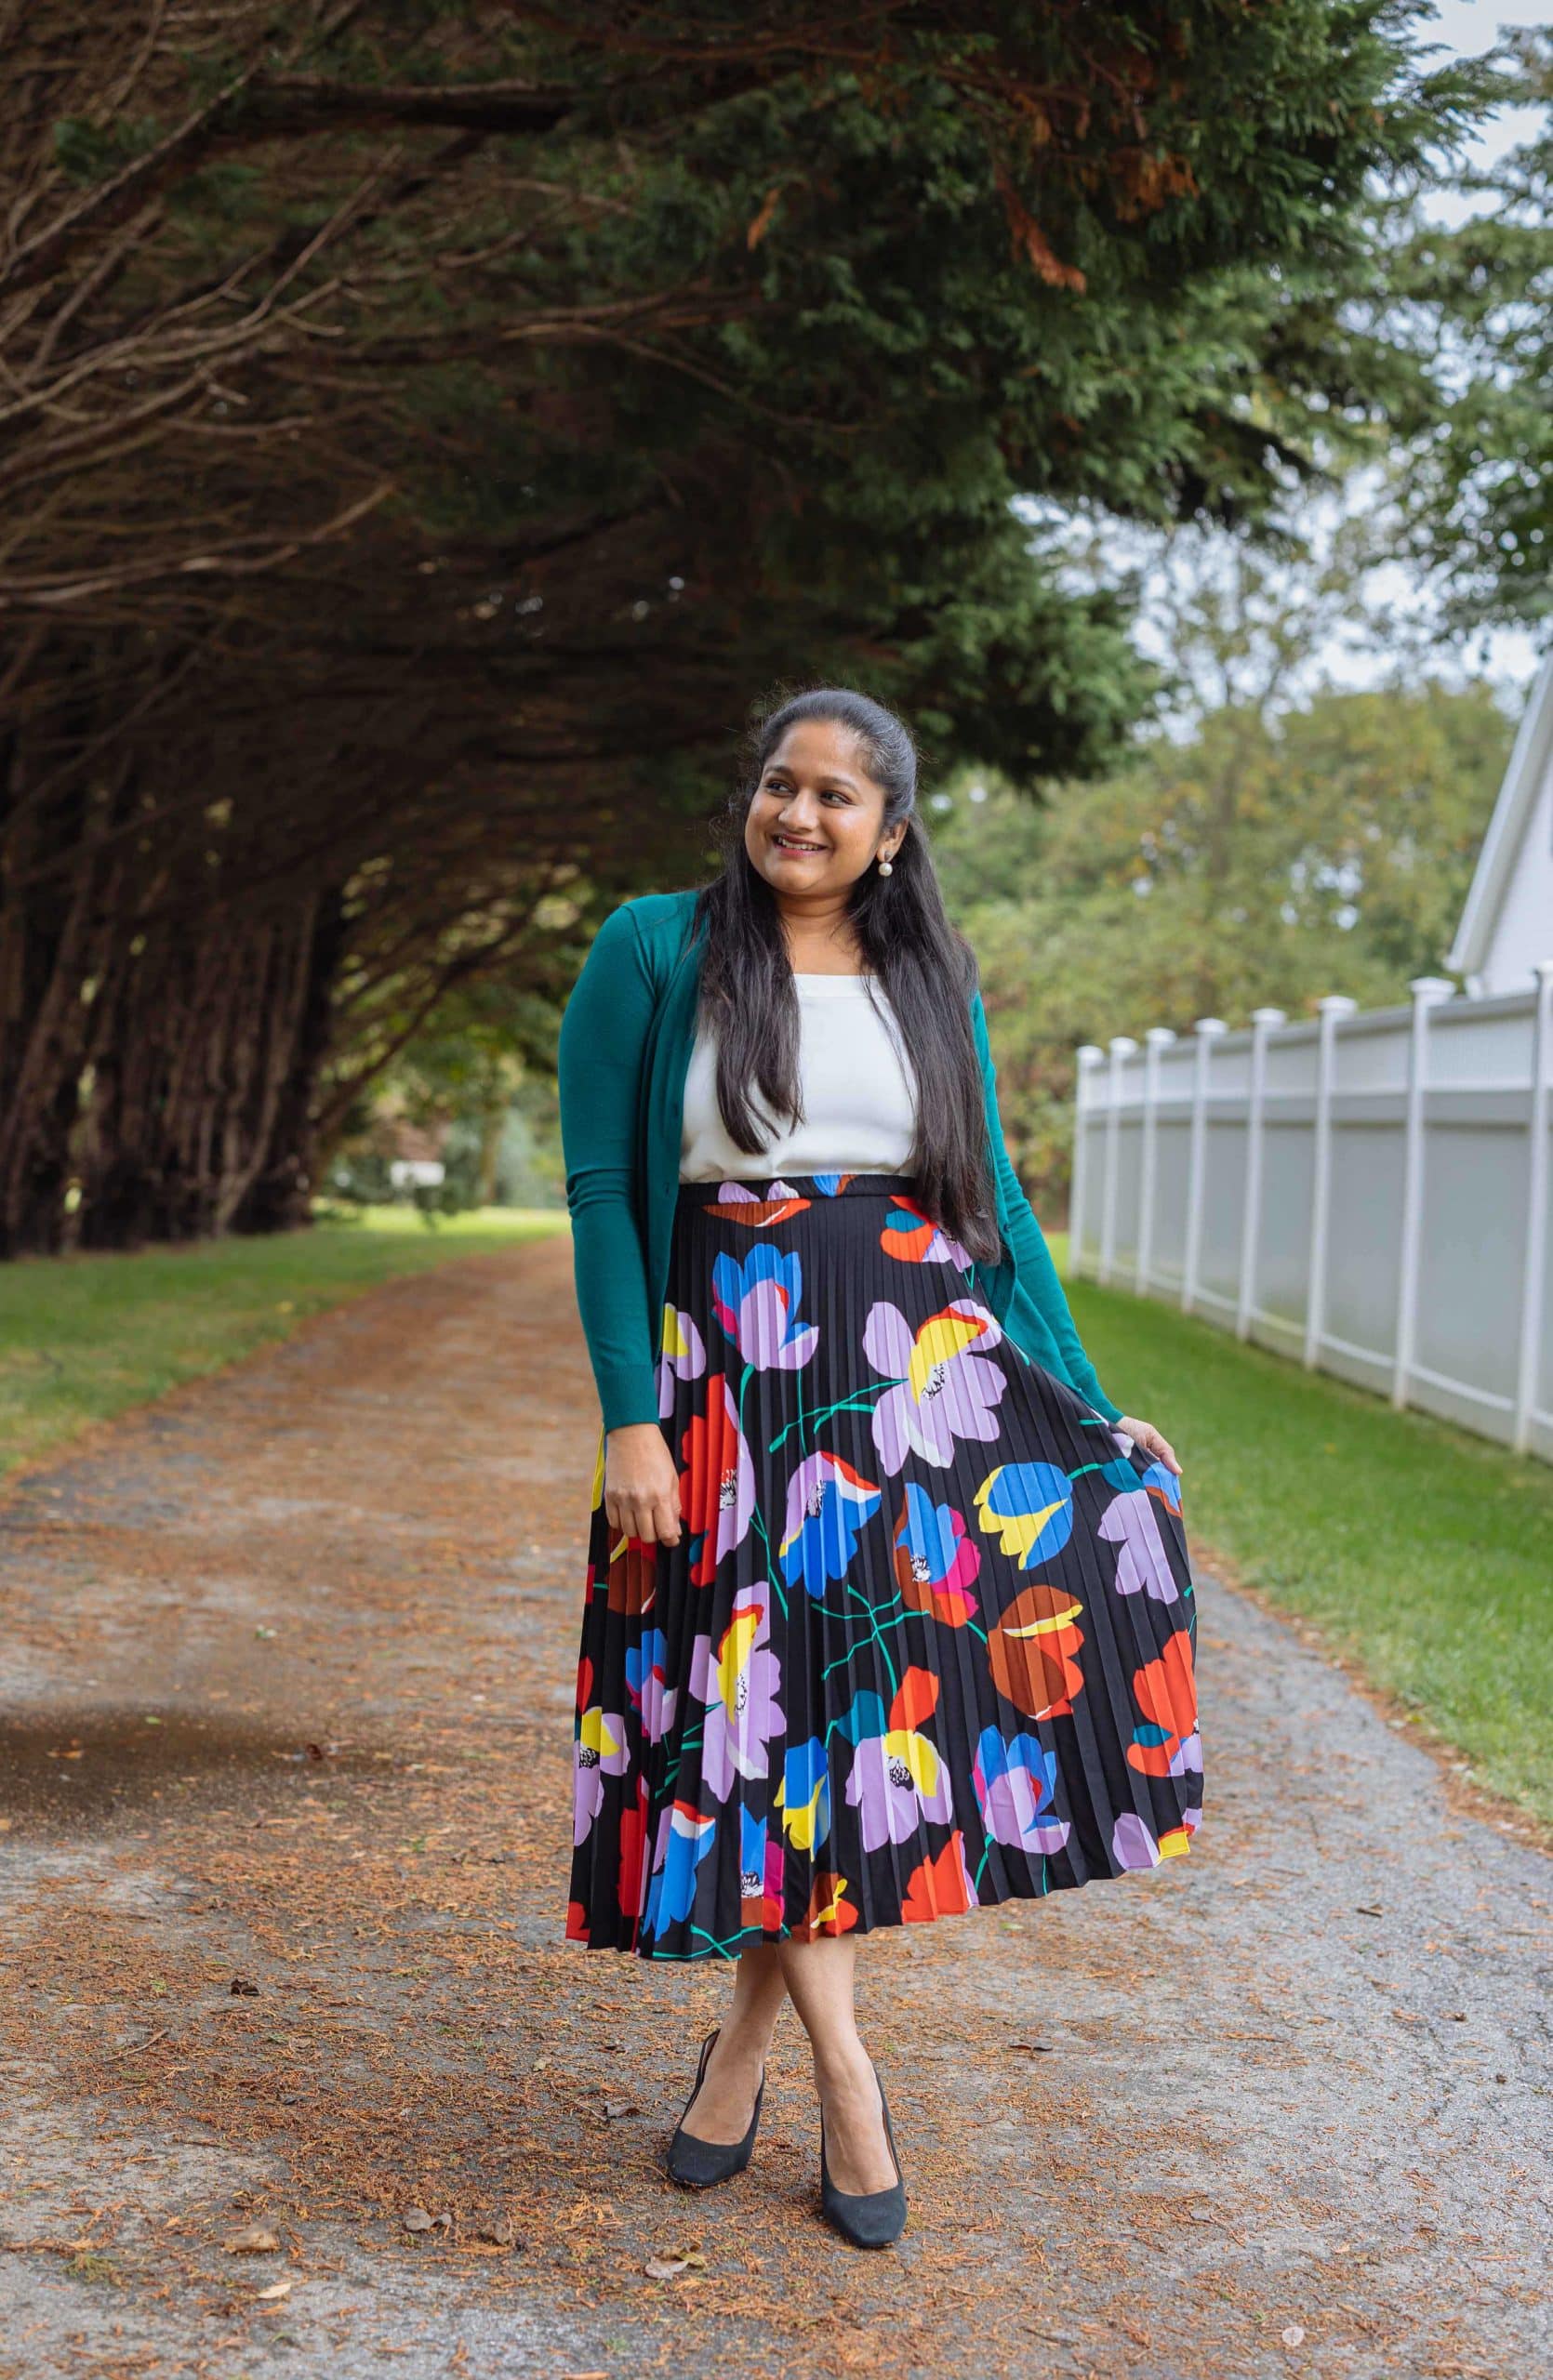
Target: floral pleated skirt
927,1642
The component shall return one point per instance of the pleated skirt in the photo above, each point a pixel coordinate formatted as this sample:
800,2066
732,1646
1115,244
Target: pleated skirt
927,1642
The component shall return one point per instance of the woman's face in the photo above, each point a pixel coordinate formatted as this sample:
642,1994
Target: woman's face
817,818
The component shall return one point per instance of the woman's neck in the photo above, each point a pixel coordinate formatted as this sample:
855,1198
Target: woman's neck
821,941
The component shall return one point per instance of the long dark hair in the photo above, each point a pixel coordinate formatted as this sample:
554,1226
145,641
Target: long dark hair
923,964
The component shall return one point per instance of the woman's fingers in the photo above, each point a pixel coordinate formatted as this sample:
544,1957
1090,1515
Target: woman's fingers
1153,1441
637,1512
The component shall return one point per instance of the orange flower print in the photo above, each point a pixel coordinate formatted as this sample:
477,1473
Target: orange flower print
1032,1651
830,1911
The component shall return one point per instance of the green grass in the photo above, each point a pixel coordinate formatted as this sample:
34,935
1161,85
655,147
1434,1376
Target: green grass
1421,1551
84,1337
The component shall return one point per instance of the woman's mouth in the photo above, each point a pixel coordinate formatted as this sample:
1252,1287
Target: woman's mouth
792,843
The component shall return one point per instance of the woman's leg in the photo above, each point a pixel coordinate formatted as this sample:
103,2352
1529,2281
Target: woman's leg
726,2099
820,1977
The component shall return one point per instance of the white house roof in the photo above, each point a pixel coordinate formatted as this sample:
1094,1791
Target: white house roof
1506,828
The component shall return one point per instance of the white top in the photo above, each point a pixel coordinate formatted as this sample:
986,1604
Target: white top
858,1090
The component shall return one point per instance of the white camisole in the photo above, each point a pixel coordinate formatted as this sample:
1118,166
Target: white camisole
858,1090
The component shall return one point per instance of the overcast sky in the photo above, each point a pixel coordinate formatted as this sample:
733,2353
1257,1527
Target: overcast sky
1465,29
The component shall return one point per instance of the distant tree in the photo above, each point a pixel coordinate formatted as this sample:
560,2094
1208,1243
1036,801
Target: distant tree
1476,302
1267,858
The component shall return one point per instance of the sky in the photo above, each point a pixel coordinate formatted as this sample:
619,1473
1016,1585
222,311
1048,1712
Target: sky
1465,29
1507,656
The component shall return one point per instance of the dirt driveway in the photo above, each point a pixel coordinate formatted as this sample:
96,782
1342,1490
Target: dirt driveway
285,1761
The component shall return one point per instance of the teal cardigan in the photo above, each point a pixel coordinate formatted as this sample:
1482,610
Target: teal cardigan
626,1039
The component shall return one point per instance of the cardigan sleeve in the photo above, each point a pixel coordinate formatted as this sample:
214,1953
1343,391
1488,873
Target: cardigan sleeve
1032,1259
598,1059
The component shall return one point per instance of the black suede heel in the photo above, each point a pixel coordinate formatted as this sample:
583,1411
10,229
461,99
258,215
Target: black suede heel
869,2218
700,2164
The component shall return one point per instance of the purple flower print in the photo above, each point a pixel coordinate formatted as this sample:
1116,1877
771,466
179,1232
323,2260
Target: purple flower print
1134,1843
755,1301
829,1503
1014,1782
897,1777
645,1683
1129,1523
600,1751
683,1356
944,1389
739,1685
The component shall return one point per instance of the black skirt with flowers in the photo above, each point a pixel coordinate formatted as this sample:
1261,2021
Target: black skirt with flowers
926,1641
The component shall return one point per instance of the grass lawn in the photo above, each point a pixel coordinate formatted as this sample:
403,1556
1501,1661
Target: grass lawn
1423,1551
83,1337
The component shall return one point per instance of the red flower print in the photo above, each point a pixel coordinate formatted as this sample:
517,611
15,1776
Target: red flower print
916,1698
1167,1744
939,1888
634,1855
717,1484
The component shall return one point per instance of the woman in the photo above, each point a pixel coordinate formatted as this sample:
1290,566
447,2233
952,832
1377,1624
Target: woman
889,1611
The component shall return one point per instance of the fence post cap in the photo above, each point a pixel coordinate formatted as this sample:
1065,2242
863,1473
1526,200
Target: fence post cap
1121,1045
1431,989
1269,1016
1207,1024
1336,1004
1157,1034
1089,1053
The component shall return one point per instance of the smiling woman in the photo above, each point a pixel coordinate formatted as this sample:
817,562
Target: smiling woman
889,1610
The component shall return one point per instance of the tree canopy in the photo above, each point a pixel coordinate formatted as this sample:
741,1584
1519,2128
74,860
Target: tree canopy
427,428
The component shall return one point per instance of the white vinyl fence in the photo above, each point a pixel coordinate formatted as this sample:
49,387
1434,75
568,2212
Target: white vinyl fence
1367,1193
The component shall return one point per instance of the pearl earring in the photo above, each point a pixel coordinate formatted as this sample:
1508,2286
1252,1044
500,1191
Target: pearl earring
885,866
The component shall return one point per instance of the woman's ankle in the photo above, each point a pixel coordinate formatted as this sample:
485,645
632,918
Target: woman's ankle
745,2038
841,2065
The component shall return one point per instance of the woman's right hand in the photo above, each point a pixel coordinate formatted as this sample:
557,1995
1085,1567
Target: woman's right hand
641,1484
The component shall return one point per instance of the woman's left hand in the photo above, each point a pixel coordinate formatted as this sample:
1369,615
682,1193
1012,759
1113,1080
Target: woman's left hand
1152,1441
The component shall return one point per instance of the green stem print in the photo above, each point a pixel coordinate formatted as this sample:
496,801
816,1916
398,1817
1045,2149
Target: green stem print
864,1401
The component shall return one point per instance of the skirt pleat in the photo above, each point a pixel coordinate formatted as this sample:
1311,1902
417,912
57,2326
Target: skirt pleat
927,1641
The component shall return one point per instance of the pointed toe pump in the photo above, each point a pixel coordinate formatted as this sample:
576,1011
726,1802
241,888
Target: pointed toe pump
869,2218
700,2164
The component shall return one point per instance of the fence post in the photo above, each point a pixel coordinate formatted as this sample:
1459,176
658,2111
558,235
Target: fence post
1428,992
1089,1054
1536,1271
1122,1049
1263,1021
1207,1029
1158,1037
1334,1006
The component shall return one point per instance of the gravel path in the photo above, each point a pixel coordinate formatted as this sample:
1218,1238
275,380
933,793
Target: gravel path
284,1747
